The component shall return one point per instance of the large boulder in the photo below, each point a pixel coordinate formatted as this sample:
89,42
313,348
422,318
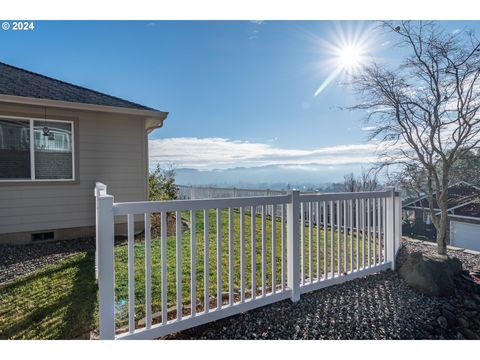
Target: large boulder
430,275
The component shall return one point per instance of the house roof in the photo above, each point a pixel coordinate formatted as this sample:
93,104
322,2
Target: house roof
15,81
471,209
458,194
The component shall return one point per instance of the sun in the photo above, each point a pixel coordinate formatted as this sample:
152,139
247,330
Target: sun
350,57
346,52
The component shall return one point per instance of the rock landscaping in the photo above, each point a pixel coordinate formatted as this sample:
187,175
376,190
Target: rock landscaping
20,260
380,306
429,274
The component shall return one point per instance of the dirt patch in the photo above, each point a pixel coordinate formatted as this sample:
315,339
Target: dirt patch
171,225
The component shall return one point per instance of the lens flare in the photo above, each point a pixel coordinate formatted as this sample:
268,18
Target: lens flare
347,53
350,57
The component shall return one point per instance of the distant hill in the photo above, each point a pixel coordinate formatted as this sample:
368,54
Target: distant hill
271,177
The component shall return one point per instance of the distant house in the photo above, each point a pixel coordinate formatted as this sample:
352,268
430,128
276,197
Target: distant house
463,216
56,141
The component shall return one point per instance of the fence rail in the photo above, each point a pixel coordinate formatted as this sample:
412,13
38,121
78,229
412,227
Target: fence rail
236,255
209,192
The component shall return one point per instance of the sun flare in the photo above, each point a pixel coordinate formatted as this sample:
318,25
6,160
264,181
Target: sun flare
350,57
346,53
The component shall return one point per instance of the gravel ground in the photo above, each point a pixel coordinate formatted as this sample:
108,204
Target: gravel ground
20,260
379,306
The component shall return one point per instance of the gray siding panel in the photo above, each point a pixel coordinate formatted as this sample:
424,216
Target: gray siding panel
111,149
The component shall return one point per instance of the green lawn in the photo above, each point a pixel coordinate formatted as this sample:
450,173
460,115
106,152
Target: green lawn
60,301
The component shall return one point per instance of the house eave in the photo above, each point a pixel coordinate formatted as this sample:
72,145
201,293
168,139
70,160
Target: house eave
152,123
23,100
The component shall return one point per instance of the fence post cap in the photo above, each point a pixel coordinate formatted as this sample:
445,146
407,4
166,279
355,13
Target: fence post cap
100,189
390,189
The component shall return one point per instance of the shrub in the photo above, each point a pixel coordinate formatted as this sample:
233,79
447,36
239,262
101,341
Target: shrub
161,184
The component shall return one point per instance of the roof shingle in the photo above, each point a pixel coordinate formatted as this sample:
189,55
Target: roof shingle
19,82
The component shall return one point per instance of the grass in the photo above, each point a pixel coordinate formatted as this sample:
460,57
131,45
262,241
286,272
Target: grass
57,302
60,301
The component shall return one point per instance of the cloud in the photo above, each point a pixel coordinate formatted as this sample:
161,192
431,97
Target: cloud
385,43
368,128
456,31
221,153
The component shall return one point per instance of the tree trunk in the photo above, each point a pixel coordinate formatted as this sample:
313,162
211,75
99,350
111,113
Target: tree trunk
442,233
442,202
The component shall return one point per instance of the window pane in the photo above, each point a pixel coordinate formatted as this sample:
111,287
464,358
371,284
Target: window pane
53,150
14,149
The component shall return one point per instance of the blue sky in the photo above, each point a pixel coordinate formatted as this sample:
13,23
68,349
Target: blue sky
239,93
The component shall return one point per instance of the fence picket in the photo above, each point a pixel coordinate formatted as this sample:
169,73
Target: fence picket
254,252
357,227
363,233
206,262
178,232
163,239
317,204
242,255
282,227
351,234
374,232
302,241
345,232
325,240
131,274
219,259
264,251
379,214
274,252
384,229
230,256
148,272
332,241
310,240
368,233
338,223
193,262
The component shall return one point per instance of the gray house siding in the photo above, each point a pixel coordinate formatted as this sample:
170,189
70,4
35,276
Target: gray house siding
111,148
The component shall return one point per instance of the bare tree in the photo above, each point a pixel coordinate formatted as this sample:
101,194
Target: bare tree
350,183
425,112
411,178
367,181
466,168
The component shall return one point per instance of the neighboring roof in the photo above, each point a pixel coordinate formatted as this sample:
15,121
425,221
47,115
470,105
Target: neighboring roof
471,209
19,82
458,194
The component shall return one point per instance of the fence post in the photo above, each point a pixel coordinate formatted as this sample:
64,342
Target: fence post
105,253
391,231
398,224
293,240
100,189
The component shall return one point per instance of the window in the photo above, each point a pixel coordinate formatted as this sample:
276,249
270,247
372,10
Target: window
426,218
48,157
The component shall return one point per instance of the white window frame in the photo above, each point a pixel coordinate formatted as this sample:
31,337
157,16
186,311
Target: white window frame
32,149
427,218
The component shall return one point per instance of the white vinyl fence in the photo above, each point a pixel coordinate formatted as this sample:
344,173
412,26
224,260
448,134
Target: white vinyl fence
209,192
318,240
